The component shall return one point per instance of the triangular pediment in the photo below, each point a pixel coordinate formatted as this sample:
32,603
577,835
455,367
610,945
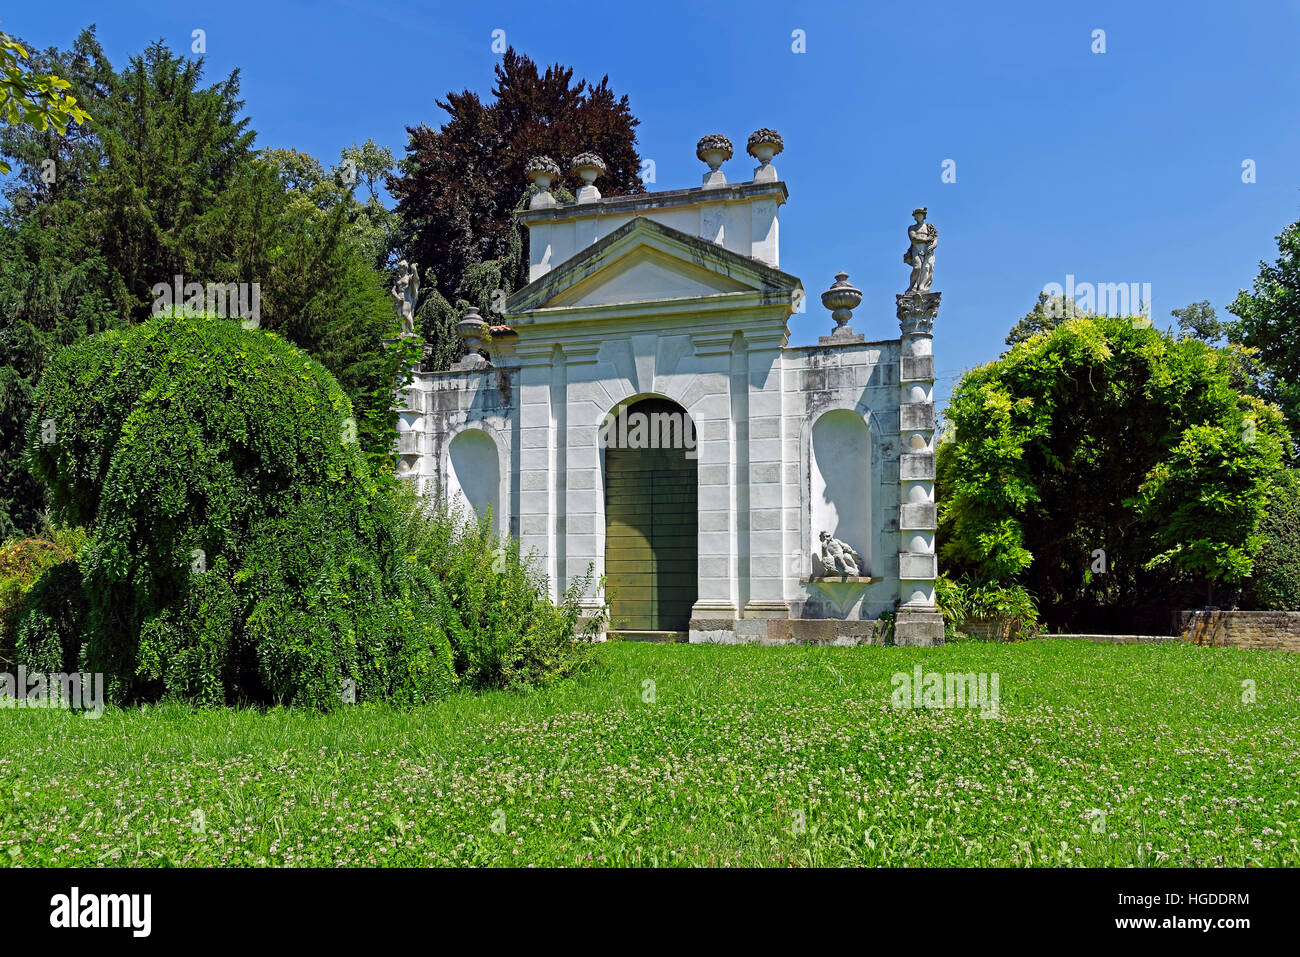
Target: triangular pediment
642,274
645,262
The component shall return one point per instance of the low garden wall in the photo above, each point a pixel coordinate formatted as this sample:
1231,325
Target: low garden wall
1276,630
1119,639
1272,630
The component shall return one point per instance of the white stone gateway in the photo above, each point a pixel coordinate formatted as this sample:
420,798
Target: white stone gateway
640,413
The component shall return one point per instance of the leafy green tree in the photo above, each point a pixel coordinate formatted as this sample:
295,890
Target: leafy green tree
1199,321
52,278
38,100
168,182
1268,319
1106,466
179,192
316,192
1048,313
55,162
1275,586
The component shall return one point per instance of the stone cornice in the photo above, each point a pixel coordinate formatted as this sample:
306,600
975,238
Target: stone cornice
668,198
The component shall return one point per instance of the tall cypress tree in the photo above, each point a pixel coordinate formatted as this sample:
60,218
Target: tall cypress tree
167,180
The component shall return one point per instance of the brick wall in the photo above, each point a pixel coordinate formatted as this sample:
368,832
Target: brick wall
1275,630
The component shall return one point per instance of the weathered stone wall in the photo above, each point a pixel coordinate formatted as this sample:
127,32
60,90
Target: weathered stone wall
861,378
437,407
1274,630
1116,639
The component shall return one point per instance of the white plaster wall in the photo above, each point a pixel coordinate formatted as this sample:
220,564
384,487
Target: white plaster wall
460,412
769,477
746,224
755,409
862,379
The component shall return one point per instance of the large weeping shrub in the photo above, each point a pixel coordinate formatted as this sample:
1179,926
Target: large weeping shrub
240,549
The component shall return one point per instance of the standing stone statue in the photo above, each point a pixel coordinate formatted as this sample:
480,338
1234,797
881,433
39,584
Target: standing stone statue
838,558
920,254
405,293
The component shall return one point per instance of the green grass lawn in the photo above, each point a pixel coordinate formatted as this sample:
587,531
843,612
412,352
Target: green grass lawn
744,756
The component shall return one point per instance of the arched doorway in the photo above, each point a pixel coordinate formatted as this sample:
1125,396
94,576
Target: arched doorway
650,516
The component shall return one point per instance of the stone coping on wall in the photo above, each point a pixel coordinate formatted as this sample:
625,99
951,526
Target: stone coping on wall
883,345
636,202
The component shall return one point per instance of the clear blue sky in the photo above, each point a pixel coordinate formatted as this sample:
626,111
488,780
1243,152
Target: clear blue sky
1123,166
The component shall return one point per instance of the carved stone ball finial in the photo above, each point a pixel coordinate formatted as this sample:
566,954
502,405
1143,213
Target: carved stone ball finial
714,149
841,299
587,166
763,145
541,172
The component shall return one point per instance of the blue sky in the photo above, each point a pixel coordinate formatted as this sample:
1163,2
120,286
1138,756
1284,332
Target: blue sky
1122,166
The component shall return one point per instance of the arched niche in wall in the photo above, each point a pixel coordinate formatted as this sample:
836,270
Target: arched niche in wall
840,476
474,473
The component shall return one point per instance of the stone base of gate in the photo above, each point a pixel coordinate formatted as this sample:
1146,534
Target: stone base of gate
786,631
918,629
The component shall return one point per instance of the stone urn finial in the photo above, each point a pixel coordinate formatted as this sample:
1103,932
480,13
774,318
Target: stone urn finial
841,299
541,172
472,331
714,149
587,166
763,145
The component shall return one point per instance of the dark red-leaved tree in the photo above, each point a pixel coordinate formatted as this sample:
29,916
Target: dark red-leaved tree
459,185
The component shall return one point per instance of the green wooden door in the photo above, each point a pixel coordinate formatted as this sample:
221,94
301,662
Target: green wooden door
650,535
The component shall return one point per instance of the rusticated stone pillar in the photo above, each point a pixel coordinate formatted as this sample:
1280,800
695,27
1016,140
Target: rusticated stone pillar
919,621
